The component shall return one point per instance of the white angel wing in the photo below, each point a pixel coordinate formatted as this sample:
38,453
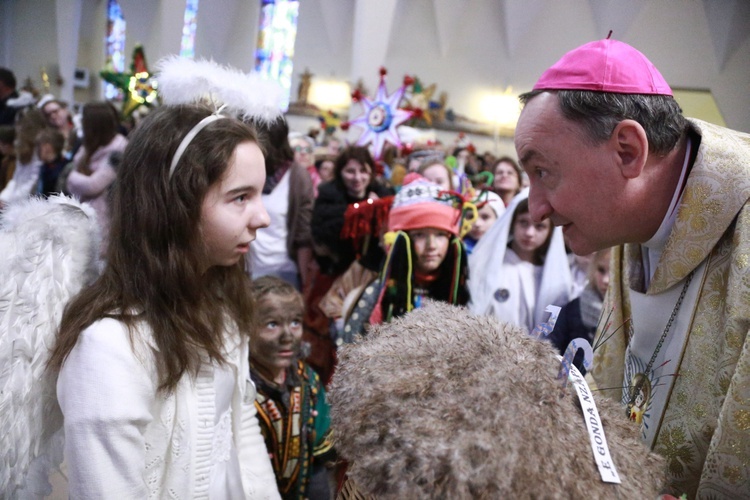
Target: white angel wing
48,251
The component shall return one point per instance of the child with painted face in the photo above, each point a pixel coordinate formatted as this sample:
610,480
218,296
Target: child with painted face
427,259
291,400
153,356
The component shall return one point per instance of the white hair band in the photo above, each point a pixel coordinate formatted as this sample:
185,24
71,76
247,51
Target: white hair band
189,138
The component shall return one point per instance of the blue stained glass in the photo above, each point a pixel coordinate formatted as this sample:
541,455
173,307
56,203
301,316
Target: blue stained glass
276,36
114,46
187,46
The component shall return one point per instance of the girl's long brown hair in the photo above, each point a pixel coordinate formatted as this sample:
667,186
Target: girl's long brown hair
153,272
28,127
99,122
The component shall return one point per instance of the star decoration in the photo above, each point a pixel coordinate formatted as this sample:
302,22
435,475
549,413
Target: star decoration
329,122
138,86
421,99
381,116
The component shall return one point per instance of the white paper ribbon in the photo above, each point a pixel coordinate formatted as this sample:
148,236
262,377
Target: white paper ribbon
594,425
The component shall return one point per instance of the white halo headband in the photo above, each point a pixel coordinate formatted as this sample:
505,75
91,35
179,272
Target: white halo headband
242,95
189,138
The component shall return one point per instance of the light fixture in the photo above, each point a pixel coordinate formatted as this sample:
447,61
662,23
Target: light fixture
330,94
501,109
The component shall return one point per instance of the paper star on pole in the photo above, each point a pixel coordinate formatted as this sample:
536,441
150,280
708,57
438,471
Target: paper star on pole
138,87
381,116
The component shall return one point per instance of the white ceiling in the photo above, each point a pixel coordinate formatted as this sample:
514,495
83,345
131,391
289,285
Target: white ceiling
471,47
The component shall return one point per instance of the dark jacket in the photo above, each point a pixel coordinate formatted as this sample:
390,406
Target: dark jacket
570,326
48,175
333,254
8,113
301,202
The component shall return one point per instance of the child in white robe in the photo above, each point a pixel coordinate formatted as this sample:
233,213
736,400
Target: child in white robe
518,268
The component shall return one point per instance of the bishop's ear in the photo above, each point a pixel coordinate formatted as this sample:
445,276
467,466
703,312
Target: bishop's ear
631,146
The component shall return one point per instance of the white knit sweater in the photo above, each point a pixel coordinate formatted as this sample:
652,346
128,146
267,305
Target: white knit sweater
124,440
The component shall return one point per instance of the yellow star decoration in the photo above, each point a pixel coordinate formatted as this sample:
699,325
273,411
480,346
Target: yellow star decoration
139,87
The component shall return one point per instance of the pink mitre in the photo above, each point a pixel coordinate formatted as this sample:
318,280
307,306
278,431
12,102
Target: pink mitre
605,66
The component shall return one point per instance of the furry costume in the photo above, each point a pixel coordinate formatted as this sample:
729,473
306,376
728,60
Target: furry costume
443,404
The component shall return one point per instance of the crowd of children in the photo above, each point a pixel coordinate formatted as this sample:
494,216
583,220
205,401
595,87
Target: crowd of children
165,360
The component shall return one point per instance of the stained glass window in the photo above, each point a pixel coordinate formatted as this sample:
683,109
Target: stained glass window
115,46
278,30
187,47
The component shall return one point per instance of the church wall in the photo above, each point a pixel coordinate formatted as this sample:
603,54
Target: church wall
482,48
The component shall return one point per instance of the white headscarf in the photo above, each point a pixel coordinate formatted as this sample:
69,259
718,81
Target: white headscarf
494,201
485,267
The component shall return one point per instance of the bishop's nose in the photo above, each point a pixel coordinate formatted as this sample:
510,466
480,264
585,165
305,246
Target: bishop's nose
539,207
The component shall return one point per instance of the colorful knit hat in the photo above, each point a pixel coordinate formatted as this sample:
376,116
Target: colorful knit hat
419,204
605,66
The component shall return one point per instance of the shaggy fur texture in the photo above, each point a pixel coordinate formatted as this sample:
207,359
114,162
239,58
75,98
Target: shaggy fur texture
444,404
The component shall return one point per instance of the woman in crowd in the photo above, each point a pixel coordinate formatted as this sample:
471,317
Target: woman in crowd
354,181
93,174
303,147
533,273
325,167
507,179
23,183
466,160
58,117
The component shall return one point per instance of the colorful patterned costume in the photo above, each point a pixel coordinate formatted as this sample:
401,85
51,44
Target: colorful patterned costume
405,289
704,431
295,424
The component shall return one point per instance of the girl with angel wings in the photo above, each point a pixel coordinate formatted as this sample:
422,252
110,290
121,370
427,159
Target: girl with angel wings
152,357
